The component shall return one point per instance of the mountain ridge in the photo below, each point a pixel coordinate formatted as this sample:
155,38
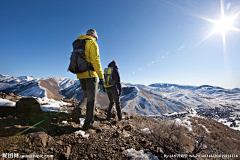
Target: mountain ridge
153,99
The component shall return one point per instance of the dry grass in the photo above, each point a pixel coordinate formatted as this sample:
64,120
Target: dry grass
224,139
174,139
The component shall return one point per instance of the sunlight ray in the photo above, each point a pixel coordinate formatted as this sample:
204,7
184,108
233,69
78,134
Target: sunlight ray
236,15
222,8
224,42
235,29
208,19
209,35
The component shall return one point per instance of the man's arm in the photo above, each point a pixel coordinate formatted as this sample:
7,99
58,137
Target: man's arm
118,81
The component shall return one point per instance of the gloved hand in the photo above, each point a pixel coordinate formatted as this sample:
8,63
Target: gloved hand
101,82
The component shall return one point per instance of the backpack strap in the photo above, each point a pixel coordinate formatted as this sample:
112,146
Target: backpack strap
90,66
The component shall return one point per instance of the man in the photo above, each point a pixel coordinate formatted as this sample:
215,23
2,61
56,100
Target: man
114,92
88,80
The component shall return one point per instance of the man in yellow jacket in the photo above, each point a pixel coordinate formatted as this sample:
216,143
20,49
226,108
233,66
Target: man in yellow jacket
88,80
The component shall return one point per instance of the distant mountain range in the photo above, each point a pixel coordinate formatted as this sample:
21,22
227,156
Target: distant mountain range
155,99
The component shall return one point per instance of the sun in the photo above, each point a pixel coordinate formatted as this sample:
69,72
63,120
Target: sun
224,24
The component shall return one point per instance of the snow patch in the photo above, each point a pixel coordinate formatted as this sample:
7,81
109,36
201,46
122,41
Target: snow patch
51,104
81,133
227,123
6,103
204,128
133,154
64,122
146,130
184,123
82,120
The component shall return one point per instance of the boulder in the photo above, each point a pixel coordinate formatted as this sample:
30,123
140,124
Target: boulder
30,107
128,127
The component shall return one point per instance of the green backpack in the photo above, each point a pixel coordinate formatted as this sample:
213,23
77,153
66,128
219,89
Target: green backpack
109,82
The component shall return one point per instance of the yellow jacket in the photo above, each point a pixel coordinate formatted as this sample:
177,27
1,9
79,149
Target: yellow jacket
92,55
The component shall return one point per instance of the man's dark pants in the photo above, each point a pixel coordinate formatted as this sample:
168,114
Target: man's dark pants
89,88
114,97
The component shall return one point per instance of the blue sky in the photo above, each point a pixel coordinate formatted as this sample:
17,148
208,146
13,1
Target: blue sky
153,41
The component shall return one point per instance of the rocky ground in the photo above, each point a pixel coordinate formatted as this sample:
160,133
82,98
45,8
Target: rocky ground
62,138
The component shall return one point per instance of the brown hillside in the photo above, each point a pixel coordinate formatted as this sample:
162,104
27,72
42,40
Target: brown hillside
52,88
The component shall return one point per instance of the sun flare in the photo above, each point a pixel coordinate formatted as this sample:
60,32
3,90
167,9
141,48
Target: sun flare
223,25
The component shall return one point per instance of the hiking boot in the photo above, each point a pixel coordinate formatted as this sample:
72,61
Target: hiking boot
85,128
88,126
120,118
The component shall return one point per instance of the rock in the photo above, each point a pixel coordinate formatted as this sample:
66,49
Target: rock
39,139
125,134
116,134
103,149
91,156
122,148
50,141
98,130
114,122
126,115
28,106
59,142
128,127
67,100
118,124
2,95
67,152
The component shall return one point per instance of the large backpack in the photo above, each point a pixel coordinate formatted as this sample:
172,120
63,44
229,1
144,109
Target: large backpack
109,82
78,63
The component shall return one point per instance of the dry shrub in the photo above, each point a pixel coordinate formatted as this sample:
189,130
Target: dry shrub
169,136
221,139
172,138
207,137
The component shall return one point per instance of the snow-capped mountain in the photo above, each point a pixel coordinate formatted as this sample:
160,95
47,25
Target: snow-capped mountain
154,99
65,82
31,86
27,78
73,91
6,80
136,99
165,98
